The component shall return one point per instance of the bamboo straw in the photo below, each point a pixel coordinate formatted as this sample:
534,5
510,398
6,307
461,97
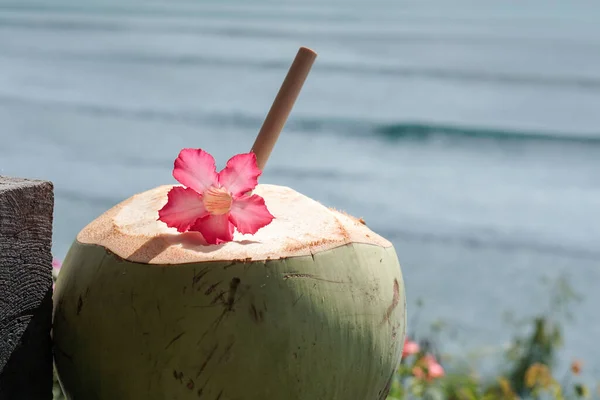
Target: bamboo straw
282,105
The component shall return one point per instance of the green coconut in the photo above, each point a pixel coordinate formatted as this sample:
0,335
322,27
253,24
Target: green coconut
312,307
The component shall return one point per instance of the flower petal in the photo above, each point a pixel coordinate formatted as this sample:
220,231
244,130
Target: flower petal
215,229
184,206
410,348
196,169
435,371
433,367
240,175
249,213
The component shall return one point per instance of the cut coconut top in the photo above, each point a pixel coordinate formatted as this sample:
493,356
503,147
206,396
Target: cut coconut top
301,227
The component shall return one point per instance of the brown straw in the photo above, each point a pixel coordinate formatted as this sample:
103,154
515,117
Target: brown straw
282,105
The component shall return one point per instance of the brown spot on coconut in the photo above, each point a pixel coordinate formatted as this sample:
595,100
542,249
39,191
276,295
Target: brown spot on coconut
293,312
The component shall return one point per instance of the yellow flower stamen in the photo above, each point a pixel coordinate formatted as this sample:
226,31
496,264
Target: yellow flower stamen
217,201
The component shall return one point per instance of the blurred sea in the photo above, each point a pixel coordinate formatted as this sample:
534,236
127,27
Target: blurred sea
467,132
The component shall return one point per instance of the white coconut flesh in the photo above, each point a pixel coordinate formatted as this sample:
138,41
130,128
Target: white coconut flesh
301,226
310,307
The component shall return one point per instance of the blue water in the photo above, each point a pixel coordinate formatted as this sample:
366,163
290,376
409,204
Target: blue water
467,132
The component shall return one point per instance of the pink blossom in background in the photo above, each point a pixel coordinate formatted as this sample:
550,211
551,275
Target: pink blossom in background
434,368
410,347
56,264
428,368
215,203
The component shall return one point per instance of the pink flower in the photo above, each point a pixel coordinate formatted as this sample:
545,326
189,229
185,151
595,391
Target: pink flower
428,368
214,203
410,348
435,370
56,264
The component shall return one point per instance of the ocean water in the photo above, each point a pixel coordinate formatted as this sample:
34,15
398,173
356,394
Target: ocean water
467,132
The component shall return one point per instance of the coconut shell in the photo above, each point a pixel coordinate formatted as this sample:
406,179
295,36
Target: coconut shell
311,307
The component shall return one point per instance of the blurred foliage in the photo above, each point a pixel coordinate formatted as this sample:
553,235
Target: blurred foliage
529,363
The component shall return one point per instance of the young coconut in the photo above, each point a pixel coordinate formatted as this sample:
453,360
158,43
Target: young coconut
310,307
161,298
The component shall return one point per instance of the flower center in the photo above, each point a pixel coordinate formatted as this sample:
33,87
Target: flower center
217,201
